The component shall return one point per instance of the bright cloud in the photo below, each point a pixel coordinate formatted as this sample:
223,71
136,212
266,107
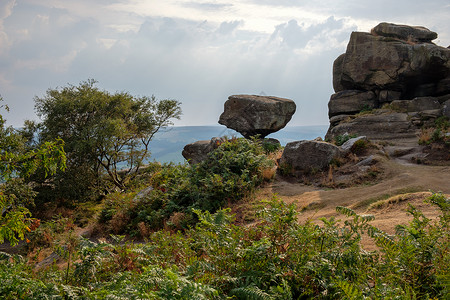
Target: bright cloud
196,51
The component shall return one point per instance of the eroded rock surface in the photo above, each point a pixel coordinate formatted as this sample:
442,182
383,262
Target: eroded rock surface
305,156
252,115
394,71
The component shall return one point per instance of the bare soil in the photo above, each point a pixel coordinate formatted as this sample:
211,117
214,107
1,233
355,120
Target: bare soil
400,176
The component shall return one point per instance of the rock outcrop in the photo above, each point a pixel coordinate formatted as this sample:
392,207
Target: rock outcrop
252,115
395,67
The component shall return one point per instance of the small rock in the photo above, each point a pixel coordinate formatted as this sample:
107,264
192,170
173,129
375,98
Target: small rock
347,146
367,161
198,151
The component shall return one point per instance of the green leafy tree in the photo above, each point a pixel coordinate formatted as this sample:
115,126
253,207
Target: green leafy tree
104,133
16,163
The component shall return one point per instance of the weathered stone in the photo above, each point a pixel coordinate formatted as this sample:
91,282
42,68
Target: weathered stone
253,115
376,126
367,161
308,155
443,86
388,96
347,146
405,32
337,73
381,63
416,104
338,119
351,102
198,151
446,109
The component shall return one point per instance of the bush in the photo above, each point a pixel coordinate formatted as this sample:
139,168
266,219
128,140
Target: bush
341,139
230,172
275,258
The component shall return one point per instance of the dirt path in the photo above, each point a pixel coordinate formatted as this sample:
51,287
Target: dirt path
398,178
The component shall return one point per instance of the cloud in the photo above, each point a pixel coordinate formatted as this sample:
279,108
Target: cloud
208,6
198,52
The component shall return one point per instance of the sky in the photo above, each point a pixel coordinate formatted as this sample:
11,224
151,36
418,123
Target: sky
197,52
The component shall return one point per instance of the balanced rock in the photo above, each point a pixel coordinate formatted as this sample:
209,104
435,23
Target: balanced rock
305,156
252,115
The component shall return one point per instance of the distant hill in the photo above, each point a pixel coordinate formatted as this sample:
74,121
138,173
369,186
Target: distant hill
167,144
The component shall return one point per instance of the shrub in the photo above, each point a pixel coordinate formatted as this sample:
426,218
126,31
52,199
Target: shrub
230,172
341,139
275,258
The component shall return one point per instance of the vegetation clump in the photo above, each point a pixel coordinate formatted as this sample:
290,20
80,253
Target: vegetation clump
276,258
231,172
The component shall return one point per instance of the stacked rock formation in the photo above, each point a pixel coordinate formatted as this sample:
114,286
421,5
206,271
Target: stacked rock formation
397,71
250,115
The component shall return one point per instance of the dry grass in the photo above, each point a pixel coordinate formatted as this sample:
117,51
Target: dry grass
397,199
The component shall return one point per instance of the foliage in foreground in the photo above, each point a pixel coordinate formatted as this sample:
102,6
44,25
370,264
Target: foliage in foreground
231,172
18,162
277,258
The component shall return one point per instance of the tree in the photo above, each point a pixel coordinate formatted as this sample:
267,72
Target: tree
104,133
16,162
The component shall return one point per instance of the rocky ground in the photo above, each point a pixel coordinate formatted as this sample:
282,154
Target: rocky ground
400,181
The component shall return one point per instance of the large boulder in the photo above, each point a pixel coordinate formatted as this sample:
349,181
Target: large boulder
305,156
383,63
252,115
405,32
351,102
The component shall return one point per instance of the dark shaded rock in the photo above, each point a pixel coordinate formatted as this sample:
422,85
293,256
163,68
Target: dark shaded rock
446,109
308,155
351,102
423,90
337,73
388,96
416,104
252,115
376,126
198,151
405,32
443,86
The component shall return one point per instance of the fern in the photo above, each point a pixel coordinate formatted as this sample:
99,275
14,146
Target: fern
349,291
346,211
251,292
